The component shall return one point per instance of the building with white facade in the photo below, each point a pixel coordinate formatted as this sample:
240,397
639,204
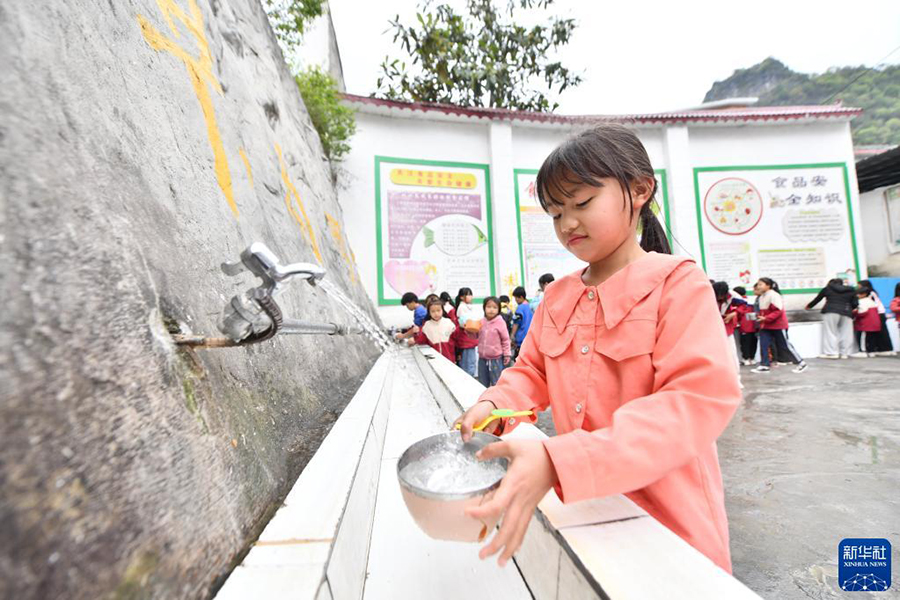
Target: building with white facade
438,197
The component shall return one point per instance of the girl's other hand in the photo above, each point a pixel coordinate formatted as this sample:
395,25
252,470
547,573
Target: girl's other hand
477,413
530,476
506,361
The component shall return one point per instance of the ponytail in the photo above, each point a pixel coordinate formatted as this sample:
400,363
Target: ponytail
653,235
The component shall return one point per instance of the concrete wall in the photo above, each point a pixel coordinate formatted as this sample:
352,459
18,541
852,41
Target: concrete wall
142,143
507,145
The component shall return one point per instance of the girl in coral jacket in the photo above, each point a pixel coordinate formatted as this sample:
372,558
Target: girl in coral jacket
438,331
629,353
773,324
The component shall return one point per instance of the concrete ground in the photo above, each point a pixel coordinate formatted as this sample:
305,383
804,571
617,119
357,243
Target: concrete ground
810,459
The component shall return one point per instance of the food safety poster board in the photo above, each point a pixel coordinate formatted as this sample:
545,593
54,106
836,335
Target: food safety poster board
433,228
540,251
792,223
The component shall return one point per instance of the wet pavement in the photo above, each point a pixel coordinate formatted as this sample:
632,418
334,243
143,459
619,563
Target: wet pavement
809,459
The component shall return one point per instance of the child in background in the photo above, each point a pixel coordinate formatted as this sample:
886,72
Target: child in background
866,324
728,308
772,326
438,331
521,320
748,328
506,311
543,281
883,344
629,353
449,309
466,340
493,343
895,304
411,301
837,318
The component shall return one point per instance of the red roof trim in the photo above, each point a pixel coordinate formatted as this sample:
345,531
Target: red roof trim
752,113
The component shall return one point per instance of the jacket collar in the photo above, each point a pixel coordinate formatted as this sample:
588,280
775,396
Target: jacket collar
617,295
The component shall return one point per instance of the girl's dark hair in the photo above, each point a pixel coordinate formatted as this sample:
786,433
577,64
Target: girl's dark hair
493,299
771,283
865,283
604,150
434,300
836,281
721,289
429,298
463,291
740,290
505,298
446,297
897,290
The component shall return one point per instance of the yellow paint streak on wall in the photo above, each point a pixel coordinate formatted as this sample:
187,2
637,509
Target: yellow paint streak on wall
200,72
334,226
247,165
305,224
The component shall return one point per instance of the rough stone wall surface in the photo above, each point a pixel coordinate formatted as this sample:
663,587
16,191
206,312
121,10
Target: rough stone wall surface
142,143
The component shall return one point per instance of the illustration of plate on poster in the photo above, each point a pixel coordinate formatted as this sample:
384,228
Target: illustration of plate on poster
733,206
453,235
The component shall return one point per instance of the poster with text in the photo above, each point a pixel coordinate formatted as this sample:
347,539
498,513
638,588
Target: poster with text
792,223
433,223
540,251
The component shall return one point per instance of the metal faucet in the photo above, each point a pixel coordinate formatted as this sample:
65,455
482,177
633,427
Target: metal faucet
254,316
263,263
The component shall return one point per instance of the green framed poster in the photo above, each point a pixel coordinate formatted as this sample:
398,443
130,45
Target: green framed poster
433,228
792,223
539,250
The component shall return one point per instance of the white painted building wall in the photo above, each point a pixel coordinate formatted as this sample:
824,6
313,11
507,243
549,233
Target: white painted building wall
880,247
507,144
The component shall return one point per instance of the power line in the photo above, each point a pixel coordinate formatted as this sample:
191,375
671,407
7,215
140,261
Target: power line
855,79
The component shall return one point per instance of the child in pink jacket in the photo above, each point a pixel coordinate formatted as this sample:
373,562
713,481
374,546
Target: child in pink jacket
630,354
493,343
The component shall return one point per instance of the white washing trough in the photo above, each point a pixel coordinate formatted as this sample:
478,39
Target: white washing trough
344,531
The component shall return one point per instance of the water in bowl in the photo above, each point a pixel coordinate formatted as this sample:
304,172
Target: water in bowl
448,470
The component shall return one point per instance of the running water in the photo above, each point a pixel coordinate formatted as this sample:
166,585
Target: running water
369,327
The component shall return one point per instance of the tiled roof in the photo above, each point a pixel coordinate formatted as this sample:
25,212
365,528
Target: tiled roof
732,114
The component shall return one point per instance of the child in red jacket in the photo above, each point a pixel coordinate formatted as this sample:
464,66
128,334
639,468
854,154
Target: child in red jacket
747,327
438,331
866,323
773,324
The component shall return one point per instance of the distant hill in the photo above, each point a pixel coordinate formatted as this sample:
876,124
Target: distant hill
876,91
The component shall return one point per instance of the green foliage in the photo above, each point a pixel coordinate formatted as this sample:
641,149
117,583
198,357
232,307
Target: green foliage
481,57
876,91
289,19
333,121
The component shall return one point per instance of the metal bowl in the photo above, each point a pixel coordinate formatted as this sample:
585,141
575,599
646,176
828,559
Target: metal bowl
441,515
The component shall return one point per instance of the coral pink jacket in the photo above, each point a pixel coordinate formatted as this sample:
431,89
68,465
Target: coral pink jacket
641,383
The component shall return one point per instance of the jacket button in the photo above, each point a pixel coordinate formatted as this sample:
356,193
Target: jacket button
591,295
512,421
578,407
585,349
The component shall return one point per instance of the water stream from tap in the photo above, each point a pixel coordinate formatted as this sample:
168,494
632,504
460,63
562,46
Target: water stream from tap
369,327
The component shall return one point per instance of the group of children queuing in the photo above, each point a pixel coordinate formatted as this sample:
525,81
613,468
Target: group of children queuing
482,347
847,310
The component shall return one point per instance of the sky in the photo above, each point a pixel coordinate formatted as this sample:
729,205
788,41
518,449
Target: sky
638,57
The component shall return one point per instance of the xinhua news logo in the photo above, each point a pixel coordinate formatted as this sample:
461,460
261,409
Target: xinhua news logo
864,564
